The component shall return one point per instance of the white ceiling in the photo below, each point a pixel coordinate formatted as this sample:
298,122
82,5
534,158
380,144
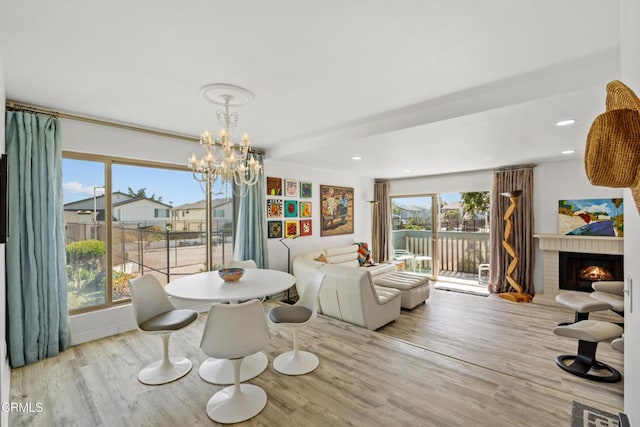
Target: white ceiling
430,87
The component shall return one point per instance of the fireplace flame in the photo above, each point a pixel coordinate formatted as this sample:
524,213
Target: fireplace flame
595,273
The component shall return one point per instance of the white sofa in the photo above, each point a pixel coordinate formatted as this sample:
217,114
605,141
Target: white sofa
350,292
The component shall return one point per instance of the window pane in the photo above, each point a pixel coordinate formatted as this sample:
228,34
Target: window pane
463,235
159,225
83,184
412,232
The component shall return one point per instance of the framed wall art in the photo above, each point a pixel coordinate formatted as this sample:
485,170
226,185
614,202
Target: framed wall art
591,217
336,207
274,208
305,209
274,186
291,187
306,190
306,227
275,229
290,208
290,228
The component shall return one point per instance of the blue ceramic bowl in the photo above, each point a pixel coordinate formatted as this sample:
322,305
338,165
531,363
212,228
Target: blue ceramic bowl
231,274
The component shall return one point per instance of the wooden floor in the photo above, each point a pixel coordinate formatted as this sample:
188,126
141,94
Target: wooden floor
459,360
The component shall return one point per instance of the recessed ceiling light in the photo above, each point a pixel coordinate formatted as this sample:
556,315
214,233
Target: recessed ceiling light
356,158
567,122
407,171
568,151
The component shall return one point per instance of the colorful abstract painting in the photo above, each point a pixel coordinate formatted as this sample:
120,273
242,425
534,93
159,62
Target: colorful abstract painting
306,227
291,228
275,229
591,217
274,186
290,208
274,208
291,187
336,206
305,209
305,190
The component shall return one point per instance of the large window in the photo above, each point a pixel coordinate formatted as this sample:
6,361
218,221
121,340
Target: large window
137,219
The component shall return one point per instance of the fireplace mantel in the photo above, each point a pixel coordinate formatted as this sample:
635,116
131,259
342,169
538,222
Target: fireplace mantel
552,244
584,244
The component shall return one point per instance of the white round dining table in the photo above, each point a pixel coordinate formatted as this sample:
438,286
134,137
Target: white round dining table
208,286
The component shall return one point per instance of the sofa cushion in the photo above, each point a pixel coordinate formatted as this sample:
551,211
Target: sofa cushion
344,259
379,269
341,250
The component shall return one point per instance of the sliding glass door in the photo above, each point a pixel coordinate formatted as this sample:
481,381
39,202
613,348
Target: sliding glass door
443,236
414,233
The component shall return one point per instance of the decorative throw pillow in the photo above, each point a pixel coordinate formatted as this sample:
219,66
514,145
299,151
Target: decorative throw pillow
322,258
364,255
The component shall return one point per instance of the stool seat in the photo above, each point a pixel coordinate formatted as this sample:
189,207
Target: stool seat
582,304
590,330
584,364
616,302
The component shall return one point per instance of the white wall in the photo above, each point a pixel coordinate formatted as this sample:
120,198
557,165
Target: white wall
554,181
5,372
630,54
363,191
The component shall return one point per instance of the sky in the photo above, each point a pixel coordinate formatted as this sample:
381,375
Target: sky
79,177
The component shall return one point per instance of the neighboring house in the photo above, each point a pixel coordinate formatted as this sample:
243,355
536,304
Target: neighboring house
407,213
141,212
90,209
127,211
192,216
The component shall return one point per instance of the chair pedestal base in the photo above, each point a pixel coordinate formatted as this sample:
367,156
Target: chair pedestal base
224,407
220,371
589,369
289,364
156,373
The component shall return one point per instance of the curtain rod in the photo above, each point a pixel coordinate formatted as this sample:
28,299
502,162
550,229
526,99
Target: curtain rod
18,106
515,167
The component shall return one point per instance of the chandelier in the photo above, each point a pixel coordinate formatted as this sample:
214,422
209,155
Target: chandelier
223,159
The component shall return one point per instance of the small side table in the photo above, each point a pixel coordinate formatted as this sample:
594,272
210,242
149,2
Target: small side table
483,278
418,260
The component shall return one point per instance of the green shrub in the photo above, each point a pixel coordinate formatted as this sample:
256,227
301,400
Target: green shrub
84,261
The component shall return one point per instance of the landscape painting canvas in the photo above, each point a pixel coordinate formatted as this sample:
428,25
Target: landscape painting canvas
591,217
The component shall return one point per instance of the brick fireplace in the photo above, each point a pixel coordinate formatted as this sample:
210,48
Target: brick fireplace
582,247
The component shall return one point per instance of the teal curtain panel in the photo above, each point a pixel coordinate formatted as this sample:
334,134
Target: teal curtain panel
37,316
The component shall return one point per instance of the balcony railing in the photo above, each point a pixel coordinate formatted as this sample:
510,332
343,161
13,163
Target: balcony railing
458,251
